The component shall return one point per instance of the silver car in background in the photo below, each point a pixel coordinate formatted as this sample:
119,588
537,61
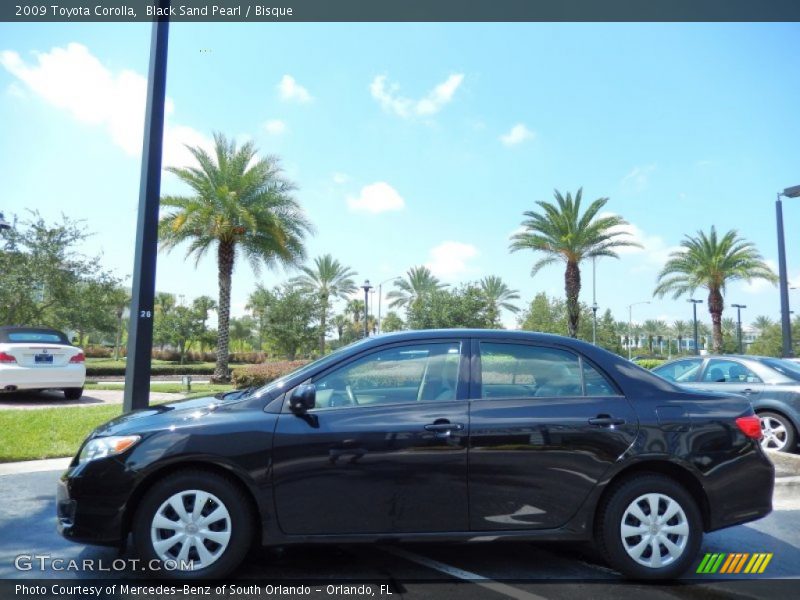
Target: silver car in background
771,384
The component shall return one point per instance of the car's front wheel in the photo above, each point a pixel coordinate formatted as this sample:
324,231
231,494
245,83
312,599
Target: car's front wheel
73,393
777,432
649,527
195,524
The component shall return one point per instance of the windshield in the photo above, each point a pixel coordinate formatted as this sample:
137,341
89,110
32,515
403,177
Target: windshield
784,367
279,383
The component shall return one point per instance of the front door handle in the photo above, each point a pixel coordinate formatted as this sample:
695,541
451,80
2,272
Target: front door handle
606,421
443,430
747,391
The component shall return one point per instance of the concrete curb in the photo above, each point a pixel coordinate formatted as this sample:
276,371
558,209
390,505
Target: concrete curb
34,466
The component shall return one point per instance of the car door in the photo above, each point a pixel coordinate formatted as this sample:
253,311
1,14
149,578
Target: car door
545,425
730,375
385,448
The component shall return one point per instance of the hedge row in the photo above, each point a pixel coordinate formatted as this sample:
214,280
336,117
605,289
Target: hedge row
100,370
258,375
650,363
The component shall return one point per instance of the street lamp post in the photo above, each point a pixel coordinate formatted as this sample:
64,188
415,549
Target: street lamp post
594,302
694,318
739,308
366,287
380,298
630,324
786,326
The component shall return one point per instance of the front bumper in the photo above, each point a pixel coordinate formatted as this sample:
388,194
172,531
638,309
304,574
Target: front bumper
91,500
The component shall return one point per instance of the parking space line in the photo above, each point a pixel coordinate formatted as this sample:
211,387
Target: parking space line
496,586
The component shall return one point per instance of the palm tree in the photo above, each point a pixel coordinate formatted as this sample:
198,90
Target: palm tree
651,330
498,297
329,280
561,232
762,324
711,262
419,281
681,329
240,204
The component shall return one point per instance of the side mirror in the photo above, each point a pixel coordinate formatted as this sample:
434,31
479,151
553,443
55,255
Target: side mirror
303,398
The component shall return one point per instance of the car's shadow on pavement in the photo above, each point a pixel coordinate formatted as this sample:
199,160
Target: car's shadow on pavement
46,399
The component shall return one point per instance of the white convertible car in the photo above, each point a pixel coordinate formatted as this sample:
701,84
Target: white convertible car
35,358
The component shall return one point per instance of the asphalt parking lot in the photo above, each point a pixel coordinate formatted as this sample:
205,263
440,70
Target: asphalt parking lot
55,399
524,571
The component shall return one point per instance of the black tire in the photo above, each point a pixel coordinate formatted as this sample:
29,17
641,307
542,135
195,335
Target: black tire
73,393
608,535
790,438
226,491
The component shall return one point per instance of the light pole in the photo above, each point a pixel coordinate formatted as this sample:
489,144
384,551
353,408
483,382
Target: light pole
594,302
630,324
366,287
3,223
739,308
380,298
786,326
694,317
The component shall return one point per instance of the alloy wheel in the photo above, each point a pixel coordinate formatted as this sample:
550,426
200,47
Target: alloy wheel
192,528
654,530
774,434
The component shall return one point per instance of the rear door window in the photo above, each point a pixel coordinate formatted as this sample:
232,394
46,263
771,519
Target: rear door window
521,371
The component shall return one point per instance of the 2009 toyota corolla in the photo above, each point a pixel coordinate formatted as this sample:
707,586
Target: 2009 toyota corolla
428,435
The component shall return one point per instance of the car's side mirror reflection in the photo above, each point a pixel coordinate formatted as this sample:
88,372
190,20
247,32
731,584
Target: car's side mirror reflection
303,398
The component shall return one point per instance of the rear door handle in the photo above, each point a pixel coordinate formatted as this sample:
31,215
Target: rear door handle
606,421
747,391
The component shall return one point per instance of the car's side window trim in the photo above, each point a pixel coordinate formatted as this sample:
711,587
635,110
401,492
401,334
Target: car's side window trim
476,382
461,387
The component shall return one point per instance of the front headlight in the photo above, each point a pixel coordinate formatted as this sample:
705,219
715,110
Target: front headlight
101,447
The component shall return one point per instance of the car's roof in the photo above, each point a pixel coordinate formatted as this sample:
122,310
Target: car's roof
5,330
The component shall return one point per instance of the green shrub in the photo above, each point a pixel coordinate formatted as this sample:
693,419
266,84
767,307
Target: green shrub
650,363
176,369
97,352
258,375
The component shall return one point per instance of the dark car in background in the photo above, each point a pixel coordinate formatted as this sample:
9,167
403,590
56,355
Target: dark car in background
771,384
450,435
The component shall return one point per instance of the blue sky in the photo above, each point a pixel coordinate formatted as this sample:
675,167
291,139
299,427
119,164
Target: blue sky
424,143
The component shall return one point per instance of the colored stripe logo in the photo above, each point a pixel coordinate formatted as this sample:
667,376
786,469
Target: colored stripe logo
732,563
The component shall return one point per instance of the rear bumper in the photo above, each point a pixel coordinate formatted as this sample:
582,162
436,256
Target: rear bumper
742,491
32,378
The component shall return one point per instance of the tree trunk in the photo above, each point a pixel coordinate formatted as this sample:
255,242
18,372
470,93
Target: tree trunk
225,258
715,306
572,287
323,298
118,339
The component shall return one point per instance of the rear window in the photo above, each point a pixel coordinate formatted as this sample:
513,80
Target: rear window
785,367
28,337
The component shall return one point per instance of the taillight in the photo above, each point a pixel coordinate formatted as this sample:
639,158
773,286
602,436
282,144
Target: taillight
78,358
7,358
750,426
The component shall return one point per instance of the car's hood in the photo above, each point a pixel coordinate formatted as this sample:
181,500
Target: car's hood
163,416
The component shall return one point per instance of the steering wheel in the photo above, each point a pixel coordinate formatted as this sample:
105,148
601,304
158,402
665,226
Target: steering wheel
350,395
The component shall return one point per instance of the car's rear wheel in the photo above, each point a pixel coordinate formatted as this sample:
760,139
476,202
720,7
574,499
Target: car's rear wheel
777,431
197,524
649,527
73,393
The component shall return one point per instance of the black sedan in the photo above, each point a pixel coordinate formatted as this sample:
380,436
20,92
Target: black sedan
445,435
771,384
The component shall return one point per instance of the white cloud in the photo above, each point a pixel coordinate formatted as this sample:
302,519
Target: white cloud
450,258
340,178
638,178
654,250
387,95
15,91
291,91
276,127
376,198
518,134
74,80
